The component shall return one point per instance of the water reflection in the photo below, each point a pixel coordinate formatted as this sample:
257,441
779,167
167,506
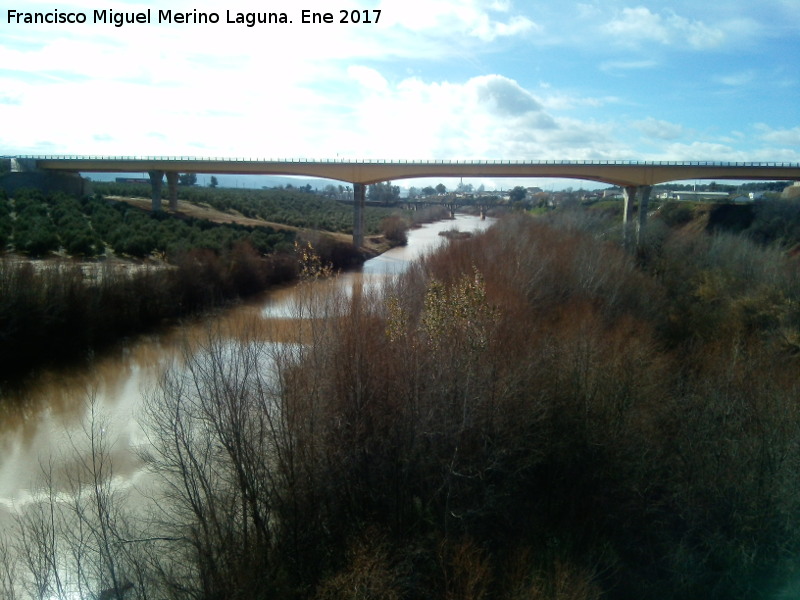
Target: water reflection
39,427
370,277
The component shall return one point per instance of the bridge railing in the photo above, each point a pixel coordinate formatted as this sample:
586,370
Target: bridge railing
598,162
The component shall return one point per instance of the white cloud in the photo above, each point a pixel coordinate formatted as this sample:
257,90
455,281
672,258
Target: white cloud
657,129
458,20
557,100
488,30
483,117
633,26
368,78
782,137
736,79
627,65
636,24
712,151
717,151
504,96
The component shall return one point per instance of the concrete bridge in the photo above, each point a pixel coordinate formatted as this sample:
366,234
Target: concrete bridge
635,178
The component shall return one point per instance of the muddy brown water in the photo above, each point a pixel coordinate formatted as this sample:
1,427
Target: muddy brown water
41,432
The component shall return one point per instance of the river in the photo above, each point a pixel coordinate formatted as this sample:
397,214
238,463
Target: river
45,425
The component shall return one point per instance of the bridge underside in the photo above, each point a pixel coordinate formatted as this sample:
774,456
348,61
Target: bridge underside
636,178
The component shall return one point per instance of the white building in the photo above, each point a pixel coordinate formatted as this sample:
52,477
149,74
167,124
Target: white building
699,195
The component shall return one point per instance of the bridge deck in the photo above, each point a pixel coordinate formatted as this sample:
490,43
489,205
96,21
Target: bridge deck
622,173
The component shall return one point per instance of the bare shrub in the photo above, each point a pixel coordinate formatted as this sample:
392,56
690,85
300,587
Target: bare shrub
74,538
529,413
395,230
9,579
211,424
368,574
466,570
529,577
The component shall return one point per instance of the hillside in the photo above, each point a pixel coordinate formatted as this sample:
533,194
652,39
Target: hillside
774,221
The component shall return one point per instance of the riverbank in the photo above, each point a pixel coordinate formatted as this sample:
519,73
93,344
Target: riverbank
40,409
373,244
59,314
528,412
62,312
84,274
137,270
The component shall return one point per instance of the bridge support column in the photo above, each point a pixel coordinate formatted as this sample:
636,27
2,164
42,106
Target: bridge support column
156,180
629,198
23,165
644,199
172,186
359,197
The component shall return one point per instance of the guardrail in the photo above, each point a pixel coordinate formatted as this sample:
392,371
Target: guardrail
633,163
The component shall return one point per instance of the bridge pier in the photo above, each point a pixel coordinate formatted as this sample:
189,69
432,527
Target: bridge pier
172,187
629,194
156,181
23,165
359,197
644,200
628,197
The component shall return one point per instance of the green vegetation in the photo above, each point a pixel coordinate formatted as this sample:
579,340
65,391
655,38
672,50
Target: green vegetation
40,225
6,227
34,231
777,221
292,206
529,413
383,192
518,194
187,179
57,310
675,214
770,222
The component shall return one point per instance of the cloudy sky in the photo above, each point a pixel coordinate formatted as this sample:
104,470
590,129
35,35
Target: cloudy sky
433,79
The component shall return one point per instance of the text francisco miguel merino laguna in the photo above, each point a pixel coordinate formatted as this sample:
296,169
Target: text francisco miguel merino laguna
195,17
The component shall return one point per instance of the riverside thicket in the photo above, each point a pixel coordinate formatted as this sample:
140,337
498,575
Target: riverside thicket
58,309
529,413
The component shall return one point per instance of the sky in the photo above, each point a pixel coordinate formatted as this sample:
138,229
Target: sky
431,79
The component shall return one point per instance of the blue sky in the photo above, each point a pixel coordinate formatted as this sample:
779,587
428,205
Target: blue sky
440,79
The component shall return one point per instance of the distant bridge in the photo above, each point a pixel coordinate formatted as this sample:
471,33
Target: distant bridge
635,177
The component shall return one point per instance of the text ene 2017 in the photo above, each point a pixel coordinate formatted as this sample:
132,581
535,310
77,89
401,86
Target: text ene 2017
345,16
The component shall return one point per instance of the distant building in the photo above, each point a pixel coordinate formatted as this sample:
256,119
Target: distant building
132,180
699,195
